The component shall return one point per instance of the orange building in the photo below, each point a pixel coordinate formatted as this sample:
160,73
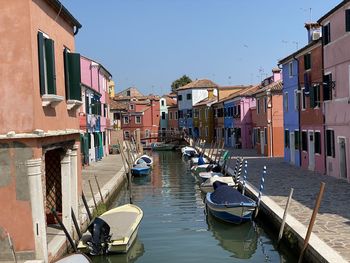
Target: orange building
268,117
39,131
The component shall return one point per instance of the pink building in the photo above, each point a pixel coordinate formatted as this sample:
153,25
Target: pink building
336,89
39,131
94,112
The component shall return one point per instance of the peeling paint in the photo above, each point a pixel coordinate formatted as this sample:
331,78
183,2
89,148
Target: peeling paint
22,153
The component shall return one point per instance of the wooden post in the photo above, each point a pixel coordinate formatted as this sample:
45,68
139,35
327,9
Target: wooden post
93,196
212,151
86,206
12,248
312,221
76,225
262,183
285,215
245,176
99,189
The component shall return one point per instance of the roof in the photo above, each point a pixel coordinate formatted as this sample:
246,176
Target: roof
199,84
114,105
247,92
286,59
206,101
170,101
333,10
274,86
63,12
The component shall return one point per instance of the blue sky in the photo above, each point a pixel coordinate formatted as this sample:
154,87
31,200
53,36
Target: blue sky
150,43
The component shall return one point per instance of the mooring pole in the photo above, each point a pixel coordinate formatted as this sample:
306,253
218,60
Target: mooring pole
245,176
93,196
312,221
260,191
285,216
76,225
99,190
12,247
86,206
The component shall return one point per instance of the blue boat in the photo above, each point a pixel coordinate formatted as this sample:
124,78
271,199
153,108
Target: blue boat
228,204
140,169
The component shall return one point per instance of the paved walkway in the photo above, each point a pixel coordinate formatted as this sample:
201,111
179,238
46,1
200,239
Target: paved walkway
333,220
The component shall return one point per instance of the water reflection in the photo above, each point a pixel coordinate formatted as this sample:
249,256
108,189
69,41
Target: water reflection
240,240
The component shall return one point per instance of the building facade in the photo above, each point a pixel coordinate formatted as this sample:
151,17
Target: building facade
336,89
203,118
40,138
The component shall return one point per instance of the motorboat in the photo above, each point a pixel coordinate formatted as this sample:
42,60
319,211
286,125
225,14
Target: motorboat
207,185
228,204
159,146
189,151
142,168
114,231
74,258
145,158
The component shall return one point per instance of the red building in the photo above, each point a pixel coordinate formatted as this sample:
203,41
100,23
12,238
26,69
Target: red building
142,113
173,122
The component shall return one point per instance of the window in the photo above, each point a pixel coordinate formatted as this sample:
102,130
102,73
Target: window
303,99
131,107
257,106
126,120
163,115
347,20
176,115
326,34
162,102
239,110
290,69
304,140
258,136
126,135
189,96
265,135
297,139
181,114
195,113
128,93
170,115
47,71
296,100
318,142
307,61
72,74
179,97
189,113
221,112
330,143
315,98
147,133
327,87
265,104
138,119
286,139
285,101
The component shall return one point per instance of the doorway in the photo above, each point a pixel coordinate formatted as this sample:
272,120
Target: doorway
311,151
342,158
262,142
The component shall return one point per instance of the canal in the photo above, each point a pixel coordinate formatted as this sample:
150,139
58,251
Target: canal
175,227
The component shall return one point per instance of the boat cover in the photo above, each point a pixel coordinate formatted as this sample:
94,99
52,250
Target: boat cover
201,160
225,194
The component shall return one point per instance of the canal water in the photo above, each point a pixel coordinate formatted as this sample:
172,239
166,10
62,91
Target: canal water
175,227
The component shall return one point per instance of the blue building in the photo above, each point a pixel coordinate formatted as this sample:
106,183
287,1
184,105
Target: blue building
228,122
291,114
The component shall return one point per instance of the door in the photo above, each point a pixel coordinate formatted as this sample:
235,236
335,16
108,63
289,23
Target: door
311,151
292,147
342,158
262,142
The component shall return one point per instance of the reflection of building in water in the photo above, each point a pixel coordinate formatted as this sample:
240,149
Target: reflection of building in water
240,240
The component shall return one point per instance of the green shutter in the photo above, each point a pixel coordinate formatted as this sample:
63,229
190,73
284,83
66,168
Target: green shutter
50,66
312,97
66,73
41,63
74,76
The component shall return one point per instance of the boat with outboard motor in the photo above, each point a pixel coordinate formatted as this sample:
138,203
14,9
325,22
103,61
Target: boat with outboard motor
147,159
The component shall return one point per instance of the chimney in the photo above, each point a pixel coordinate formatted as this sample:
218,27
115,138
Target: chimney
314,31
210,93
276,73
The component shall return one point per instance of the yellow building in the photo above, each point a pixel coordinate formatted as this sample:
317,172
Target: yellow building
111,87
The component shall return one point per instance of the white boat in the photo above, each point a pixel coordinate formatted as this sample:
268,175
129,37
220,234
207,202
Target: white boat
204,176
146,158
194,160
159,146
113,232
207,186
74,258
189,151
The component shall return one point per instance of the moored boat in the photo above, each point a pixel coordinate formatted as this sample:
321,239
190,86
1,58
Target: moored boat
141,168
113,232
228,204
74,258
147,159
207,185
158,146
189,151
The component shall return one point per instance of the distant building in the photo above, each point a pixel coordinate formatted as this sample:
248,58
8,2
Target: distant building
129,92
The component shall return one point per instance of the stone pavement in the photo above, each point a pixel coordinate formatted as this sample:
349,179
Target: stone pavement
333,220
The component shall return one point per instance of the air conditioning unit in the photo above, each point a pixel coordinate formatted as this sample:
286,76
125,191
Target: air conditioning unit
316,35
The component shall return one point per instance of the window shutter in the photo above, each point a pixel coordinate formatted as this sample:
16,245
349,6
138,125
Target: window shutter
74,73
312,97
50,66
347,20
41,63
66,72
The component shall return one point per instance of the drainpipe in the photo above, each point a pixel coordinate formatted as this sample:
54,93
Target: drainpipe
299,121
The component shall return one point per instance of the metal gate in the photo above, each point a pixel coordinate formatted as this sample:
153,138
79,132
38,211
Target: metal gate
53,184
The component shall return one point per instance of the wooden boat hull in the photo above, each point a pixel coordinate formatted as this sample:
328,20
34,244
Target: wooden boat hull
136,171
235,213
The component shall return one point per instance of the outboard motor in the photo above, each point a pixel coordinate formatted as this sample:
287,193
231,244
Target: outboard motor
99,230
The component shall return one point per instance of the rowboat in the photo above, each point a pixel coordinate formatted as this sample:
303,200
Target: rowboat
228,204
74,258
147,159
113,232
158,146
142,168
